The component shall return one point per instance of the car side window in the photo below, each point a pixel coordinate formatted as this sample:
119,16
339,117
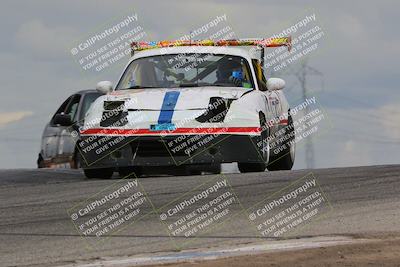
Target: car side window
61,109
72,107
63,106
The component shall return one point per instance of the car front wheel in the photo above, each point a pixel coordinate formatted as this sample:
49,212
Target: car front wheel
264,150
285,159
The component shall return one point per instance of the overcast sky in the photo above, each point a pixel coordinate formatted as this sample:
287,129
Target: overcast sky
358,58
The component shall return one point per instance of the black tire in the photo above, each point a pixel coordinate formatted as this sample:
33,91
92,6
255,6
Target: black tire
284,160
257,166
251,167
130,172
103,173
284,163
40,161
76,160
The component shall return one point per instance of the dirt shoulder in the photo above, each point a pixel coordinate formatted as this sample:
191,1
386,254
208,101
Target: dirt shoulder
384,252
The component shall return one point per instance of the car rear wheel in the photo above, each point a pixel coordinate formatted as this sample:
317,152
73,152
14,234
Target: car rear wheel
76,160
40,161
103,173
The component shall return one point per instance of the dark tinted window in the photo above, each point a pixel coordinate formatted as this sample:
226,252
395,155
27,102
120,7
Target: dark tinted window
61,109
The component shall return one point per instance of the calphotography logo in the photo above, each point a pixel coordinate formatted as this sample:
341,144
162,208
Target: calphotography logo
308,36
199,211
287,211
109,211
101,49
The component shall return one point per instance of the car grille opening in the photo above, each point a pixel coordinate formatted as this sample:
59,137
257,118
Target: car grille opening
152,148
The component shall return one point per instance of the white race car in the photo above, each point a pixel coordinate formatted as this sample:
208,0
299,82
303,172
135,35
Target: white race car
192,105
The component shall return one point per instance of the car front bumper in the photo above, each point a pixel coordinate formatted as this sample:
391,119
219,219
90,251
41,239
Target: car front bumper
168,150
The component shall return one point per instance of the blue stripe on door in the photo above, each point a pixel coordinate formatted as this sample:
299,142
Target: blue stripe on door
168,106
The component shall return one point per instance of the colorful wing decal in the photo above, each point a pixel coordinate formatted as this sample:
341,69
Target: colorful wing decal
270,42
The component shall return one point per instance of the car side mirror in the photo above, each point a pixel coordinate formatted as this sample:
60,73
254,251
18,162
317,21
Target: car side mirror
104,87
275,84
63,119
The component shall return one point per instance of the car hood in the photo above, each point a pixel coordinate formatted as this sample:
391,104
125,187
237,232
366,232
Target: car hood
183,98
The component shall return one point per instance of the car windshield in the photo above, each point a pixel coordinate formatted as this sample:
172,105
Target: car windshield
187,70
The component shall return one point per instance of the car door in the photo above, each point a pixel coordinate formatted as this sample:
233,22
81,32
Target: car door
66,141
77,109
50,138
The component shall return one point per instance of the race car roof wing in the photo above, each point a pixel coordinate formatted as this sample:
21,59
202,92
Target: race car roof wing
262,43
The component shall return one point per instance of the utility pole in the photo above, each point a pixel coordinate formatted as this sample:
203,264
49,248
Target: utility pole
301,75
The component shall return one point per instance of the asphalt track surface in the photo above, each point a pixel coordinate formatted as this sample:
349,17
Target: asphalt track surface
36,229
